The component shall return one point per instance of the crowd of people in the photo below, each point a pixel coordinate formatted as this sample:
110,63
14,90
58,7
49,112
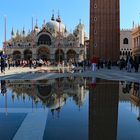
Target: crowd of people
31,63
129,63
95,63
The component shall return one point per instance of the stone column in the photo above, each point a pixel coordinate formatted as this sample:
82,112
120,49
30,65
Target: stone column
139,41
22,54
134,42
34,53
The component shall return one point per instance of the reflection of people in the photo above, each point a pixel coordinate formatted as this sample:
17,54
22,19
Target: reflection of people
127,87
3,87
93,83
136,87
138,118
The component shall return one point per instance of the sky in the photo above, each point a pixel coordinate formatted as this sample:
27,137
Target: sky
19,14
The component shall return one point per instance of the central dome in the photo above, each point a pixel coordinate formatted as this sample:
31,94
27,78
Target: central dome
56,26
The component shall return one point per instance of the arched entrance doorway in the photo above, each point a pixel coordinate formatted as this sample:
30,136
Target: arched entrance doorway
71,55
44,39
59,55
27,54
43,53
16,55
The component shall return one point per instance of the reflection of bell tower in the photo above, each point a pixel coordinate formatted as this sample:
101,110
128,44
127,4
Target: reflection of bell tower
103,111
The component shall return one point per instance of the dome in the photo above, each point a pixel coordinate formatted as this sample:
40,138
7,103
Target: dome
54,25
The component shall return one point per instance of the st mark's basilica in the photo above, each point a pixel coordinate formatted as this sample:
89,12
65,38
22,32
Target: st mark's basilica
51,42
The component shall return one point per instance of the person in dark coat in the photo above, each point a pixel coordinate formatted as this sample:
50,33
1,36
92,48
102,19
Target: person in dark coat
136,65
109,64
129,62
2,64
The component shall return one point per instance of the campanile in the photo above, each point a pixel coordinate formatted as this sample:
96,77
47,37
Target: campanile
105,29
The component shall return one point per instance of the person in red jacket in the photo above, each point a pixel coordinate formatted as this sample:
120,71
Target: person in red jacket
94,63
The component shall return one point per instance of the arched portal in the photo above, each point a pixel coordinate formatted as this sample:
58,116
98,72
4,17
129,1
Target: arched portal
71,55
59,55
44,39
43,53
16,55
27,54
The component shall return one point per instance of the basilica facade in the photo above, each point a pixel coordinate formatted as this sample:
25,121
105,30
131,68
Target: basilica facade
51,42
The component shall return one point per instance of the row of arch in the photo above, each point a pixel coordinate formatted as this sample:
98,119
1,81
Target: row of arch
44,54
123,53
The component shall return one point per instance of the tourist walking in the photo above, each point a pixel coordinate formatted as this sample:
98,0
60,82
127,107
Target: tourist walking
2,64
136,64
94,63
30,63
34,63
109,64
122,63
9,63
129,62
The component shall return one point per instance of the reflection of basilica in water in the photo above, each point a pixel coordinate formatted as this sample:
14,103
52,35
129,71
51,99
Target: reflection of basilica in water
52,94
50,42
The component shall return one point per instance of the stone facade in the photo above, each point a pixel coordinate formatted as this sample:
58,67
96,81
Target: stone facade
125,43
136,43
52,42
105,29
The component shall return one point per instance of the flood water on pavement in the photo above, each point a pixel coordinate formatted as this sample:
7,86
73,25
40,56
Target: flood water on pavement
72,108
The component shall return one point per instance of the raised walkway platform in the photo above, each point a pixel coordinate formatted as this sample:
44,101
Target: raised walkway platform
26,73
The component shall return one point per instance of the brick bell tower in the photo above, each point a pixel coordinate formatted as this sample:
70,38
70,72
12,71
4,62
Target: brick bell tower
105,29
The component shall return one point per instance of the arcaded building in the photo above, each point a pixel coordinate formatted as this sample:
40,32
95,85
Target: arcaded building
51,42
136,43
105,29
